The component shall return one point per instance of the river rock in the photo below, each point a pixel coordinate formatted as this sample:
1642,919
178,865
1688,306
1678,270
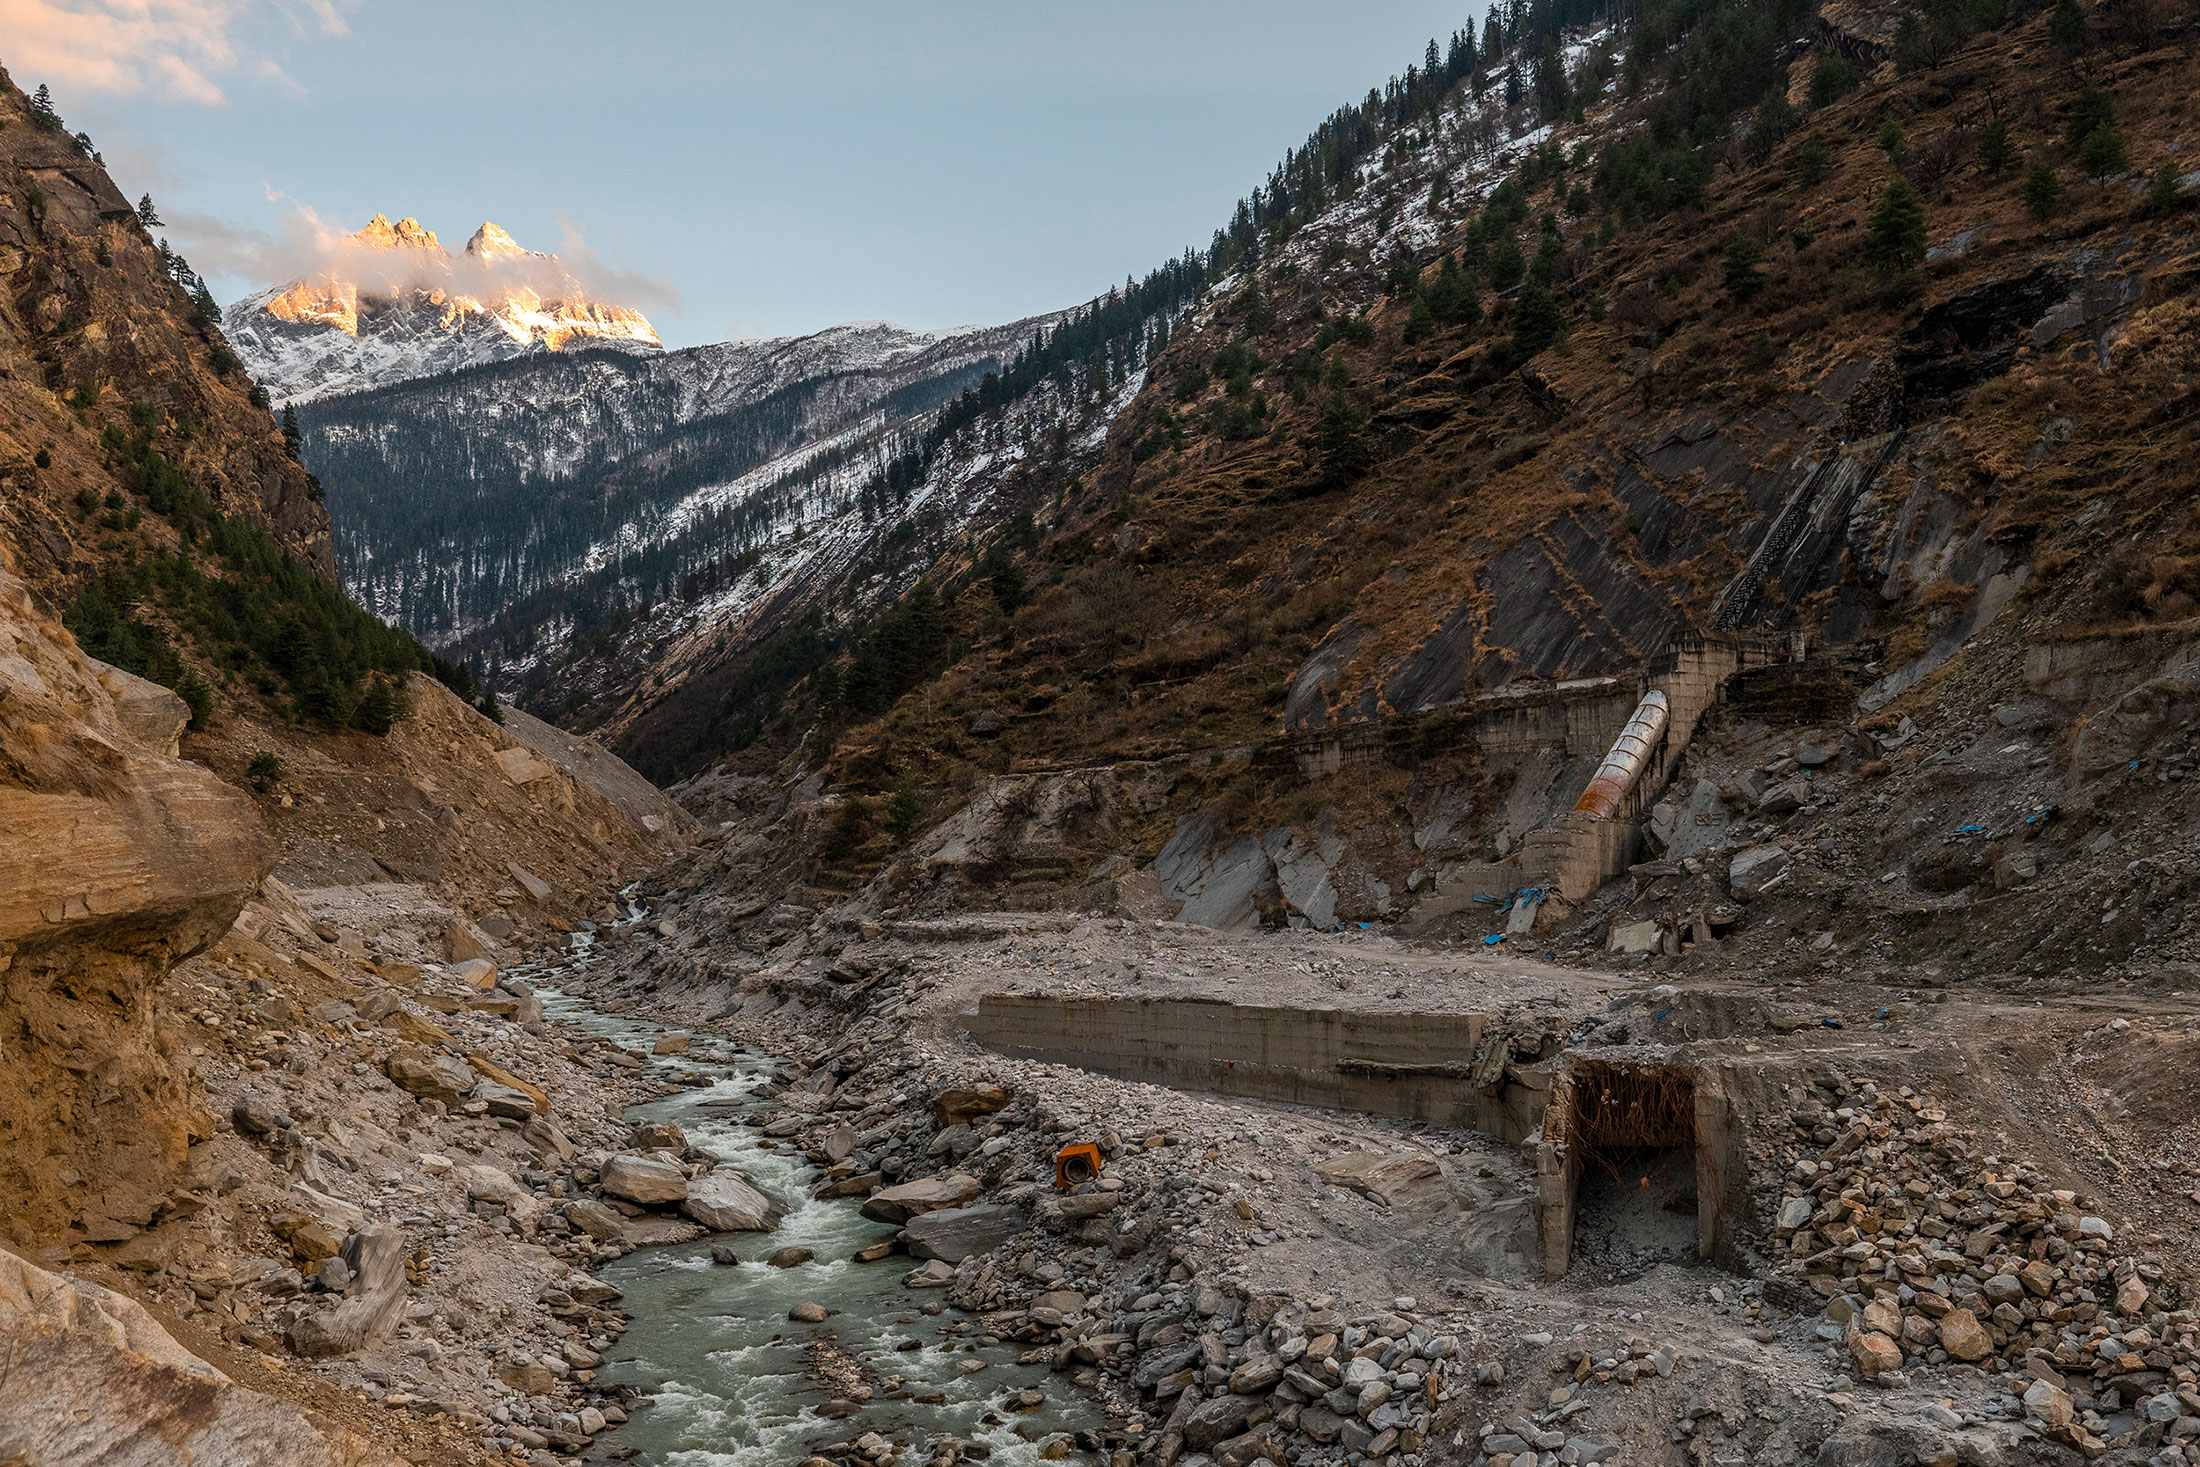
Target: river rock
476,973
726,1202
1751,871
1874,1354
644,1180
1090,1204
807,1312
936,1273
488,1069
1213,1421
413,1029
900,1203
1962,1336
790,1257
504,1101
376,1258
256,1115
954,1233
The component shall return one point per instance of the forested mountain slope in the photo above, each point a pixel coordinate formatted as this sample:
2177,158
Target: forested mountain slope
498,492
1873,323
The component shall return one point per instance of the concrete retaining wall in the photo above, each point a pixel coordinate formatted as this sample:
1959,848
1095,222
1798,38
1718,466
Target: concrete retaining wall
1408,1065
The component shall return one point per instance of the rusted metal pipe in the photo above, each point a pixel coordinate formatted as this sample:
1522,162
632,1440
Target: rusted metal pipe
1630,755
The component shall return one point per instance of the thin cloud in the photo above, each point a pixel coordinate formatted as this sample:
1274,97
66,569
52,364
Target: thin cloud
607,283
304,246
179,49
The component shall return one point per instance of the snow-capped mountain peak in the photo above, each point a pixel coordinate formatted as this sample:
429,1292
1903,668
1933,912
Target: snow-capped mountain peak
390,303
491,243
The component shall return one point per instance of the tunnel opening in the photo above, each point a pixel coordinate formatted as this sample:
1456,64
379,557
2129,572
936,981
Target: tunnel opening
1634,1178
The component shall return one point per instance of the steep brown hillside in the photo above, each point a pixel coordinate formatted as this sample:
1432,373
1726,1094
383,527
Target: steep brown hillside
1325,517
96,334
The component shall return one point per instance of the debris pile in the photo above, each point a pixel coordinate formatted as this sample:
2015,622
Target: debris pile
1928,1253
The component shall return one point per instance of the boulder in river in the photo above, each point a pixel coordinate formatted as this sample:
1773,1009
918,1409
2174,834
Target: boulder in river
644,1180
725,1202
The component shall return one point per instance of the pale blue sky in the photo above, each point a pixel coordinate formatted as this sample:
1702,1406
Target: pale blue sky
765,169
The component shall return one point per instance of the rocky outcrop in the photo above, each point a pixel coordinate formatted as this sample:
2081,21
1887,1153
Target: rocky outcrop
92,1377
96,333
117,860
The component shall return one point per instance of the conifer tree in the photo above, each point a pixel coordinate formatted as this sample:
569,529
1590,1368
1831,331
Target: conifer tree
2041,188
2162,189
1537,324
1896,238
1740,275
147,214
2066,27
1507,266
2090,110
2102,154
1994,152
1420,321
1338,438
1894,142
377,710
904,809
42,107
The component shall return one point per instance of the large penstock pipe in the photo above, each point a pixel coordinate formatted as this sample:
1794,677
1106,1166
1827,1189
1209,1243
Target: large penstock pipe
1630,755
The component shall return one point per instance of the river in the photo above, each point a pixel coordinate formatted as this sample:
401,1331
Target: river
726,1372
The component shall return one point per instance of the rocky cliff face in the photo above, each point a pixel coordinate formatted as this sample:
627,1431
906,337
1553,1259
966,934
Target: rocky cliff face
393,304
120,859
95,334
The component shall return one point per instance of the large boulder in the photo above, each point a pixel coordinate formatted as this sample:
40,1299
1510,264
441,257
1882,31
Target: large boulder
658,1136
594,1219
959,1107
900,1203
429,1076
726,1202
1751,871
643,1179
954,1233
376,1259
1962,1336
92,1377
1213,1421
